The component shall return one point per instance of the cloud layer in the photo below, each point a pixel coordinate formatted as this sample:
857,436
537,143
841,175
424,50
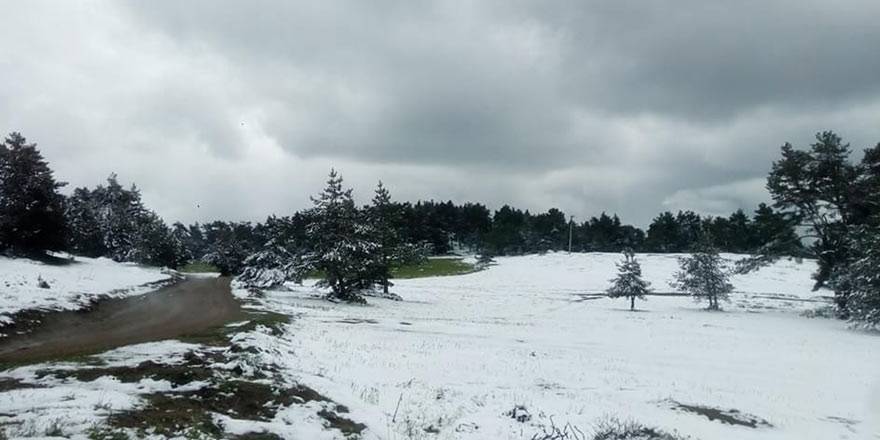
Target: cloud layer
237,109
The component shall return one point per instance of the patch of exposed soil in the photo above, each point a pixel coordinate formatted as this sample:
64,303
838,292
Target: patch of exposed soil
727,416
357,321
9,384
190,306
177,375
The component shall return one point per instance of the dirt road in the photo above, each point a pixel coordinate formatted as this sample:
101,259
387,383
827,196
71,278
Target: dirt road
190,306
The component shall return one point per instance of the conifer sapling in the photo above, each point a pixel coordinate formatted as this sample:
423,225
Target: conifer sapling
629,282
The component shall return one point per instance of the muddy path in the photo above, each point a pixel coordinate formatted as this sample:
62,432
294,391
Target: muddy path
187,307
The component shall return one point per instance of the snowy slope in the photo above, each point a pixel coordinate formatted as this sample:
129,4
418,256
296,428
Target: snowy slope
70,286
459,352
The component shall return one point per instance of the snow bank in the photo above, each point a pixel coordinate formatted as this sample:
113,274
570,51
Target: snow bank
70,286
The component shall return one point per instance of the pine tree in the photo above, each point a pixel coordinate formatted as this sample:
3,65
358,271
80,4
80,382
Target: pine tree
383,218
343,252
226,246
85,236
812,188
702,275
385,223
112,221
31,209
155,244
629,282
120,212
860,278
269,268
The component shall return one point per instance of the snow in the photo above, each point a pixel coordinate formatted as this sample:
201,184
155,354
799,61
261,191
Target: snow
73,407
72,286
530,335
460,352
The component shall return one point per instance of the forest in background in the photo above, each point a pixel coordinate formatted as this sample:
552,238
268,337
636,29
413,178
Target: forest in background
825,206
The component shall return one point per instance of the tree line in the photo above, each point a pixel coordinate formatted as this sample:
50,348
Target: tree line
825,206
444,227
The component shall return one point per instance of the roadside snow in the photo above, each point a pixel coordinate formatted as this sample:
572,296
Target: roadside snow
459,352
71,286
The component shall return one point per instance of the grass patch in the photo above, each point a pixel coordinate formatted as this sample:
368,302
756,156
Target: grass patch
168,415
175,374
9,384
615,429
347,426
434,267
220,336
258,436
189,412
199,267
726,416
87,359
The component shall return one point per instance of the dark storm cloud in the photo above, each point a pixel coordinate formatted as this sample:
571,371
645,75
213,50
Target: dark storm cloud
623,106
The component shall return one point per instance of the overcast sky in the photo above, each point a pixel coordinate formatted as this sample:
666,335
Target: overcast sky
237,110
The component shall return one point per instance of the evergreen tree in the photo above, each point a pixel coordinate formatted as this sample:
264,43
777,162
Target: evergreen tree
269,268
690,230
155,243
811,188
702,275
865,190
861,278
85,236
629,282
227,246
31,209
385,220
342,252
112,221
119,211
771,229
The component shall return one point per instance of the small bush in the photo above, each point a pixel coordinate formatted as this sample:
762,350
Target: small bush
615,429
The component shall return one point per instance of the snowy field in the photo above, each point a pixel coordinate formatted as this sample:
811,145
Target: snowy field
71,286
459,353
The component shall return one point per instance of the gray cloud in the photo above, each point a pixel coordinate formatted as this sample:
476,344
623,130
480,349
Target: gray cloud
239,108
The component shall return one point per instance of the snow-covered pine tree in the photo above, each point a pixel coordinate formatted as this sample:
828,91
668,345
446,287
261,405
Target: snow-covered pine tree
629,282
31,209
155,244
269,268
703,276
343,251
860,279
226,252
112,221
85,236
120,212
385,219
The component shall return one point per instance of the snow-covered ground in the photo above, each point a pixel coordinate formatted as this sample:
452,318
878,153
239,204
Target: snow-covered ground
68,406
71,286
459,352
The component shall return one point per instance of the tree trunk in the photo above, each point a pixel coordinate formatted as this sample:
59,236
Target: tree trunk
385,285
632,303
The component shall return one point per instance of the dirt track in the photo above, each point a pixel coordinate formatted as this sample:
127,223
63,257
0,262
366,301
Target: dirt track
190,306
